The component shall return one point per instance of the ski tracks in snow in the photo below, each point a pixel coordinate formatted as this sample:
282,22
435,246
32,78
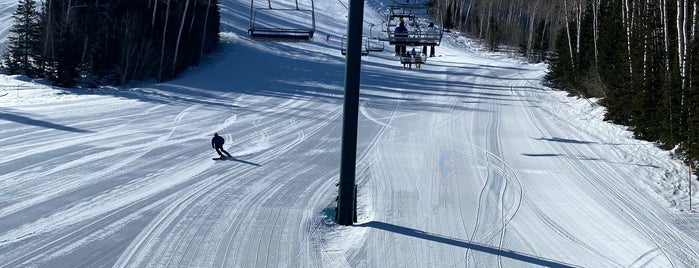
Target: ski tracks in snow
501,192
213,221
671,245
501,195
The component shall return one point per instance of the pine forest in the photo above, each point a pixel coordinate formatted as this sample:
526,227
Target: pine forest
91,43
639,58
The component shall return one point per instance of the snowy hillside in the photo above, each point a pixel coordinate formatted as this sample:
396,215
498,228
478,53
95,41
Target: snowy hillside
467,162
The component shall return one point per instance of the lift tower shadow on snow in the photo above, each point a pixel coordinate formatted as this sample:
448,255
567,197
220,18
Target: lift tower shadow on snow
347,197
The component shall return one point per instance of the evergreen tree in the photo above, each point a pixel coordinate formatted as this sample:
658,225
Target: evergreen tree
23,52
67,61
91,43
585,58
613,63
691,140
647,99
539,46
561,74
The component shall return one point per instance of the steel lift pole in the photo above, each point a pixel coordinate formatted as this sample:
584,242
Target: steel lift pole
347,198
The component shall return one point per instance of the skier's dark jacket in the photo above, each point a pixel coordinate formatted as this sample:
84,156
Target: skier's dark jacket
217,142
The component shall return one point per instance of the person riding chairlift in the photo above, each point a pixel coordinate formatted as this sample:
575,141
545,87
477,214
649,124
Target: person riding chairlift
401,34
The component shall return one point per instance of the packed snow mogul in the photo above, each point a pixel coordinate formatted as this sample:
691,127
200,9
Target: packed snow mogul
217,143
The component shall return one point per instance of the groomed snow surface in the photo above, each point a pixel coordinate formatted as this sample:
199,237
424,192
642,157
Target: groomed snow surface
467,162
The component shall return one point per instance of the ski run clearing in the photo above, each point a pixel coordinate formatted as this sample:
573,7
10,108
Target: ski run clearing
467,162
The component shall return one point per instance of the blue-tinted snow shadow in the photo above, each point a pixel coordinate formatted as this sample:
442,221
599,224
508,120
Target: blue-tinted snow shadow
564,140
301,76
581,157
315,72
463,244
588,158
39,123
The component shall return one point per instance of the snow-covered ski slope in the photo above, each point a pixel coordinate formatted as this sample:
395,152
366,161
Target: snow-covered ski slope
468,162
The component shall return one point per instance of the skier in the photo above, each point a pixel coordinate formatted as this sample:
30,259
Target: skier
217,143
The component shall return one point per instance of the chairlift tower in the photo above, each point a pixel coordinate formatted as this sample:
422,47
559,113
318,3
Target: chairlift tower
265,25
347,189
347,192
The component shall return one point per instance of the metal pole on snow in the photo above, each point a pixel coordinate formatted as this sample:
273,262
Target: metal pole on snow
346,202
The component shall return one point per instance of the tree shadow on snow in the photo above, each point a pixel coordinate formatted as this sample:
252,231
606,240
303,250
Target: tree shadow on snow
564,140
39,123
310,72
463,244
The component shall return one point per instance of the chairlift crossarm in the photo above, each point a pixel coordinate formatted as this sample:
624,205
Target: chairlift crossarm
415,38
366,47
402,16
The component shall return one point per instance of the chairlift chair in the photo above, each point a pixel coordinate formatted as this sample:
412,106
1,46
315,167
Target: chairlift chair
414,37
272,24
375,44
418,59
365,45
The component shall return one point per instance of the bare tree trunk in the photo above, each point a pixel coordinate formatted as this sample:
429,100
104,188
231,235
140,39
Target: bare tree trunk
595,28
530,38
179,37
489,19
543,39
68,9
694,38
127,50
579,16
162,49
86,41
695,19
626,16
48,37
682,37
468,10
570,42
203,36
666,33
646,65
457,14
155,10
482,23
194,16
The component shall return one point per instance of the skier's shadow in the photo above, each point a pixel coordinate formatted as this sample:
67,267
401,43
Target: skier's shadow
242,161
